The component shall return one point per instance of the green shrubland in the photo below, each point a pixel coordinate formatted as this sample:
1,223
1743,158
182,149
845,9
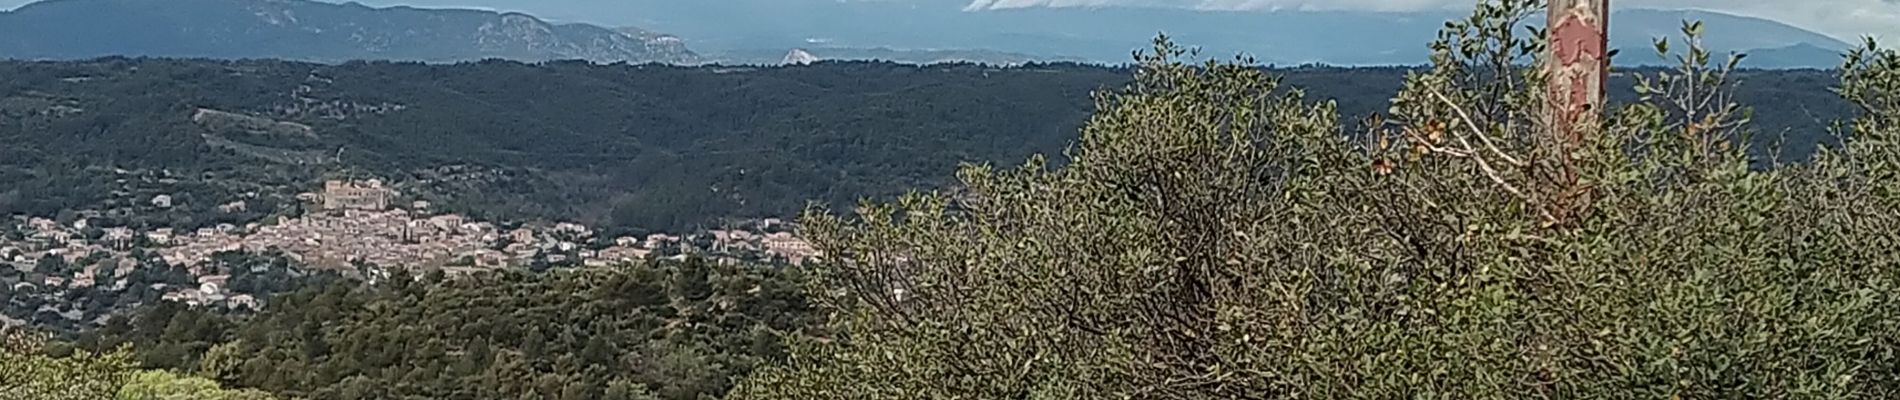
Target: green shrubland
28,370
1214,236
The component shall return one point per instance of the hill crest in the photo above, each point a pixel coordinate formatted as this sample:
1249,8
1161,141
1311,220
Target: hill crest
312,31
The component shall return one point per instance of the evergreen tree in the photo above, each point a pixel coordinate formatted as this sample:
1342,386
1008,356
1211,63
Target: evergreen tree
692,280
534,345
51,265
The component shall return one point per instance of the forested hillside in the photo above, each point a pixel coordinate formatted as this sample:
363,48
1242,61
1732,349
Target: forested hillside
664,330
634,147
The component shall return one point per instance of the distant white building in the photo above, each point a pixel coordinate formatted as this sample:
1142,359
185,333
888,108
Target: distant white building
244,301
656,240
119,237
447,222
578,230
162,201
234,207
791,247
58,237
161,236
42,224
214,281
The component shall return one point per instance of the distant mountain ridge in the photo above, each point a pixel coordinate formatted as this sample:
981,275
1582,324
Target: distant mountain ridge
765,31
312,31
1108,34
807,55
1769,44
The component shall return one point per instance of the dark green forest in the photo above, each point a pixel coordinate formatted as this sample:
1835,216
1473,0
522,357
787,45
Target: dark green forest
636,147
664,330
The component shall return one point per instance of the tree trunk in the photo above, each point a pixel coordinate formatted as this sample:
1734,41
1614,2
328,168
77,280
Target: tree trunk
1579,65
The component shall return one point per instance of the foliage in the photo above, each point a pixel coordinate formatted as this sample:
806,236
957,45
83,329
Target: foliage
27,372
675,331
1212,236
165,385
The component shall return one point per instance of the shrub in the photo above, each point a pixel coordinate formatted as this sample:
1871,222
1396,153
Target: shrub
1214,235
27,372
164,385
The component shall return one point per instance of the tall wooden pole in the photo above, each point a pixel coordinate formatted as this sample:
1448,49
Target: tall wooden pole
1579,65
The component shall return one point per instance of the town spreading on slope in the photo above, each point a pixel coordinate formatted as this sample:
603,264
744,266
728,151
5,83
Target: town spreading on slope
355,226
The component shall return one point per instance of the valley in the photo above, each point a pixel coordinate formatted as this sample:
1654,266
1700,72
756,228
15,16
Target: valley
630,149
955,199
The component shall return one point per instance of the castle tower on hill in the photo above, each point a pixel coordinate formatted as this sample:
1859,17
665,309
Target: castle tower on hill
356,195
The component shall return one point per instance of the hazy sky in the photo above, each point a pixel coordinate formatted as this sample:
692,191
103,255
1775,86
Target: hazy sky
1844,19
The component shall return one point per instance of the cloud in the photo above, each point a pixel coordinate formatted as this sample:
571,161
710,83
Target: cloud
1844,19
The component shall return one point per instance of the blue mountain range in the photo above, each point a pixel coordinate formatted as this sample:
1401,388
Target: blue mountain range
759,31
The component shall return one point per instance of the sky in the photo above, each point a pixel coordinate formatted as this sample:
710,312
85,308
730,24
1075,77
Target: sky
1844,19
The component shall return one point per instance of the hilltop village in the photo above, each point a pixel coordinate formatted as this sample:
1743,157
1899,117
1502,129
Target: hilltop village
353,224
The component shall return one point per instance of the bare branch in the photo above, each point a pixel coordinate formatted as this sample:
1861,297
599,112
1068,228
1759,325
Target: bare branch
1437,149
1508,187
1486,139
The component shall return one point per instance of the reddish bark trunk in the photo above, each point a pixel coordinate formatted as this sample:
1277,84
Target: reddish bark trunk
1579,64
